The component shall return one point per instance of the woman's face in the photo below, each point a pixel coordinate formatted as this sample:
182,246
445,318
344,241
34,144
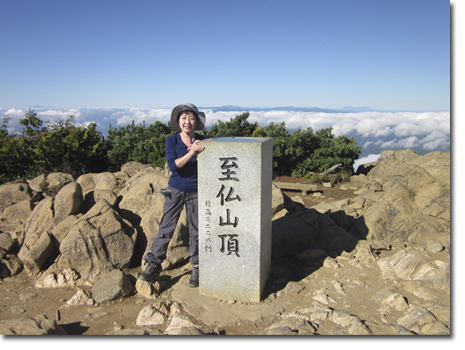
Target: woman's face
187,122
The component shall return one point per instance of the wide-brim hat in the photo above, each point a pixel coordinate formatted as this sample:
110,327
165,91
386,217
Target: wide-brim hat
187,107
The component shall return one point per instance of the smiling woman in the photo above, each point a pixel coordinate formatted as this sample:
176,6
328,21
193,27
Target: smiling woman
181,155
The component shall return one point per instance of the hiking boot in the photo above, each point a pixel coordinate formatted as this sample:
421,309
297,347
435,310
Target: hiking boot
194,280
151,270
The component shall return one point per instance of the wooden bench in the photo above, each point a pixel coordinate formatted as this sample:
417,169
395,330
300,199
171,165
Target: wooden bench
290,186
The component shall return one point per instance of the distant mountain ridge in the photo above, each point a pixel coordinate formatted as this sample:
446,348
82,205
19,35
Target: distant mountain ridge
348,109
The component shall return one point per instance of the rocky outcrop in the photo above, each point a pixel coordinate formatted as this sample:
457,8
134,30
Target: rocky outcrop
378,263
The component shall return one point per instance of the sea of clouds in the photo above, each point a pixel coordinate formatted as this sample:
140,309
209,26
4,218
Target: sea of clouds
374,131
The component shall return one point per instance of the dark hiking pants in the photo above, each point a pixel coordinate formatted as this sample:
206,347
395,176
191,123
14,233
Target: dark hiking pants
172,209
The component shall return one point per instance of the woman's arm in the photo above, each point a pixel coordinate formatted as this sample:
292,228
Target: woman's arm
194,150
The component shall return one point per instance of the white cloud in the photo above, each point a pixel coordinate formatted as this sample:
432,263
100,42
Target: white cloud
406,129
437,140
429,130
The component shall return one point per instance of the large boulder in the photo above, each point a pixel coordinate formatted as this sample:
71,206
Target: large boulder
131,168
38,246
415,205
50,184
142,204
13,219
106,181
67,202
13,193
87,182
98,242
60,231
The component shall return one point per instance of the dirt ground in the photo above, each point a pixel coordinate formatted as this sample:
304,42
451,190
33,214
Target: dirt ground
19,298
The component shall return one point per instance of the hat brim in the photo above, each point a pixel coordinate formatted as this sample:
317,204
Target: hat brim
181,108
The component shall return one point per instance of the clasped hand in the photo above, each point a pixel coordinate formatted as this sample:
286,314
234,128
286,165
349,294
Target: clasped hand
196,147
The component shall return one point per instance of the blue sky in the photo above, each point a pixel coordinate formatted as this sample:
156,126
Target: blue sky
391,55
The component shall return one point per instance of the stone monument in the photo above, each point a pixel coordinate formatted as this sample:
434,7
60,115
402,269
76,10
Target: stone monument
235,179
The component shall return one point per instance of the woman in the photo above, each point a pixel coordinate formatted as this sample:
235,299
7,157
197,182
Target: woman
181,153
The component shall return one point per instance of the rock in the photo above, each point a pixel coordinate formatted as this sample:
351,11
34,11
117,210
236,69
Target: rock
331,263
54,182
38,183
277,200
415,265
99,242
396,157
142,205
94,196
40,325
434,200
12,193
279,331
364,253
402,264
323,298
10,265
293,288
327,184
441,312
396,301
38,253
87,183
416,202
292,234
354,325
360,182
294,322
181,325
147,289
38,246
435,328
80,298
416,318
14,217
60,231
121,176
298,202
365,168
67,202
107,181
434,246
58,279
388,329
129,331
112,286
342,318
131,168
433,270
6,242
151,316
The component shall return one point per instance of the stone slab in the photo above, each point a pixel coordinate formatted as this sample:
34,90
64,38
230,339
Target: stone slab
235,190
